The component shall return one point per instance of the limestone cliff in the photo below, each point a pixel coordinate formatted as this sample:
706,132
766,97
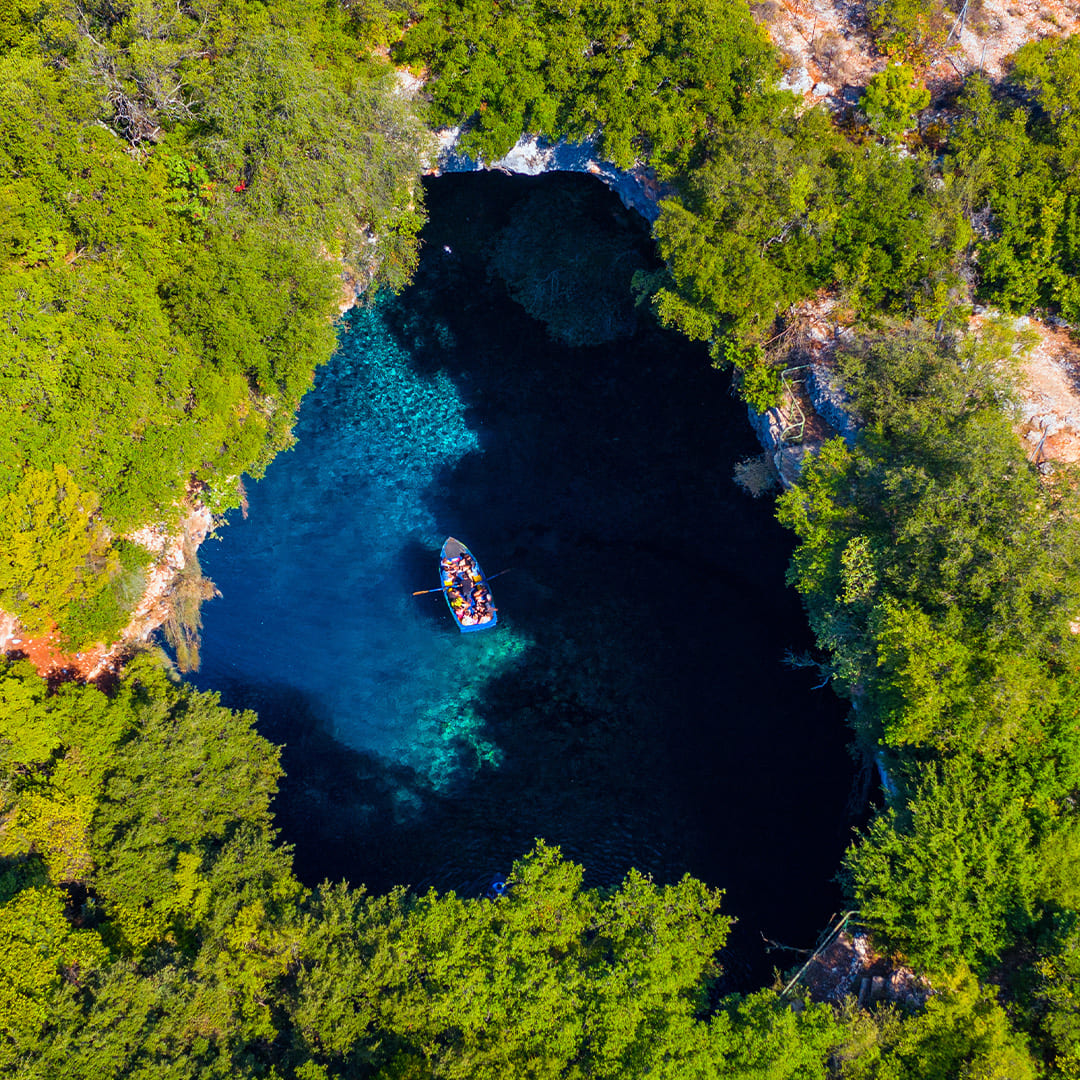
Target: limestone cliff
638,188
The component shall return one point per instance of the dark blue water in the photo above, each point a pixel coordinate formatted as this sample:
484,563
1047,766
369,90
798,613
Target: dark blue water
631,706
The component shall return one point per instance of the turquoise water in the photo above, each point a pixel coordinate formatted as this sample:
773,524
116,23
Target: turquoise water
631,706
319,559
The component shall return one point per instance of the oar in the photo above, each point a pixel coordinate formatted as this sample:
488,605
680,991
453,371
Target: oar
421,592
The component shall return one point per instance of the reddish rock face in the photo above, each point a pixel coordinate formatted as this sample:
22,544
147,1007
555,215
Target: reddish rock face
829,48
848,966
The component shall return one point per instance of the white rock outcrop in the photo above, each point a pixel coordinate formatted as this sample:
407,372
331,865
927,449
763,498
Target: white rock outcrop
532,155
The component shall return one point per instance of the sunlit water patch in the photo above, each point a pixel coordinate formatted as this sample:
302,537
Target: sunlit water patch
315,588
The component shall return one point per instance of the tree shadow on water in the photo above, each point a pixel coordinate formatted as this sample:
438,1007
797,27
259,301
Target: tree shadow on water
357,816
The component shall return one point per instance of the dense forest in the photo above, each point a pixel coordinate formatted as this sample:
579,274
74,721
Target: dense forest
179,188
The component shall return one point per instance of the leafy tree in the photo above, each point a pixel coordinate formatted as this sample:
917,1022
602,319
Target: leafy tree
955,875
1020,163
742,242
651,81
762,1035
189,950
788,207
38,950
938,571
174,189
913,29
545,979
155,781
166,796
961,1031
891,99
966,550
1057,995
50,537
336,168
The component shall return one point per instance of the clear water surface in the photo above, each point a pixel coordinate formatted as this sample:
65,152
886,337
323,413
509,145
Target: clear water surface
632,705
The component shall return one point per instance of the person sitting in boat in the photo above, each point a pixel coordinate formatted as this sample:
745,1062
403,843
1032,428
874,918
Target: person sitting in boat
482,601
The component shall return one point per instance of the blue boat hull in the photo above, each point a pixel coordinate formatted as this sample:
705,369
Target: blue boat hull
465,589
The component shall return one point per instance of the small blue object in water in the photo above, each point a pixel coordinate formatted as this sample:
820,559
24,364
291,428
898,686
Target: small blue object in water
467,592
497,888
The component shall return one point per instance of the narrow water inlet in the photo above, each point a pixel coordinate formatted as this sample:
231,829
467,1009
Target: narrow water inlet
632,705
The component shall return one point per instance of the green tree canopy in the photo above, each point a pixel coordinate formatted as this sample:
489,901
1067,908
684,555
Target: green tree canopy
651,80
1020,162
891,99
959,615
178,189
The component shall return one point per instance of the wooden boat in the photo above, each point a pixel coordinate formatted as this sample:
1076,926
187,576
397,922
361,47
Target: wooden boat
468,595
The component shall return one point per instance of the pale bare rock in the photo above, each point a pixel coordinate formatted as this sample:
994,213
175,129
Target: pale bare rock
532,155
850,966
830,40
1049,392
154,609
1004,25
815,406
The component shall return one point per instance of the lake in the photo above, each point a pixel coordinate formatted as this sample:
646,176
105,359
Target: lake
633,704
